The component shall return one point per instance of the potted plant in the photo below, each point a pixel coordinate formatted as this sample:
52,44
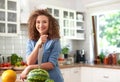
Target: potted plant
65,51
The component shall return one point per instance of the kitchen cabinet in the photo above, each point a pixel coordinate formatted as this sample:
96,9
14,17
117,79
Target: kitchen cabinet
54,11
106,75
9,17
99,74
86,74
80,34
75,74
66,74
71,74
71,22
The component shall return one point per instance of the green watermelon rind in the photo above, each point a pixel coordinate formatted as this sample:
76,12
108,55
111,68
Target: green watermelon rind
37,75
49,80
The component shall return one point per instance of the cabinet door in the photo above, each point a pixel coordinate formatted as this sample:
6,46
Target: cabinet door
80,25
105,75
68,19
9,22
54,11
117,75
66,74
86,74
75,74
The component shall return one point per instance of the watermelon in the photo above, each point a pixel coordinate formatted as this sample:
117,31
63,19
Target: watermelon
49,80
37,75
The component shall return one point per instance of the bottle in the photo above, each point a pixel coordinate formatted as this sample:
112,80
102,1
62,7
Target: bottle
106,60
114,59
110,59
97,60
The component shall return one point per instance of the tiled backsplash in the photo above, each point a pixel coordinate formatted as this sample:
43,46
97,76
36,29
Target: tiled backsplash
15,44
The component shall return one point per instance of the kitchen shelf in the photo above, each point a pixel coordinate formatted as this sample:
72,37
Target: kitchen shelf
9,17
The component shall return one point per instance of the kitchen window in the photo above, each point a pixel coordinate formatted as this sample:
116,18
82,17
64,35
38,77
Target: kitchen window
106,29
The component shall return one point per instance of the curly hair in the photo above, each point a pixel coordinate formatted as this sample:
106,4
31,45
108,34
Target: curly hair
53,29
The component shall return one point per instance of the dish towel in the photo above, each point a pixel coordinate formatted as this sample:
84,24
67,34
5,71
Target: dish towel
40,54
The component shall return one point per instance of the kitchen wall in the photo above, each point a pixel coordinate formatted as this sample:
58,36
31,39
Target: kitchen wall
14,44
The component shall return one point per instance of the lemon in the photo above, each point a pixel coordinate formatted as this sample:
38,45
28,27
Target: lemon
9,76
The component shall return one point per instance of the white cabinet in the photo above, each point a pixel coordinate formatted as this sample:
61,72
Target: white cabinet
9,17
75,74
105,75
70,21
80,34
54,11
66,74
71,74
86,74
99,74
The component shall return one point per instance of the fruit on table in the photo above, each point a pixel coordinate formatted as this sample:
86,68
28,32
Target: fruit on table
37,75
5,64
9,76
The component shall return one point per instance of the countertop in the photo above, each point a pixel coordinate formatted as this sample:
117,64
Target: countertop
91,65
82,65
117,67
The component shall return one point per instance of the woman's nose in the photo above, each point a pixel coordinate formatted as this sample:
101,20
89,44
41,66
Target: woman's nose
41,24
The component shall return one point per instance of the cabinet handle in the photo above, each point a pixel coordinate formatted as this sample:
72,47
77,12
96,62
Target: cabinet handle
106,76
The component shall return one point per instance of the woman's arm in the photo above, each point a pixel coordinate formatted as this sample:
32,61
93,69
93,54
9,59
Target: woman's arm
33,57
45,66
24,73
53,56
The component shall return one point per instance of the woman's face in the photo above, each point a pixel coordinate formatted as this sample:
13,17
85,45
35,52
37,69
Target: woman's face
42,24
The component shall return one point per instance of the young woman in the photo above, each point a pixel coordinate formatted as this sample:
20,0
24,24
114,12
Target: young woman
43,33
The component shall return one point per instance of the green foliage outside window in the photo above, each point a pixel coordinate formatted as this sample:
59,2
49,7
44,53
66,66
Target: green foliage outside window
110,30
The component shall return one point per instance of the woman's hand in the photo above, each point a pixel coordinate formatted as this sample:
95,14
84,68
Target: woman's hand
42,40
23,75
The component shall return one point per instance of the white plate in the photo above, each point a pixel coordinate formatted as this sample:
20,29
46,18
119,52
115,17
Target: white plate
19,68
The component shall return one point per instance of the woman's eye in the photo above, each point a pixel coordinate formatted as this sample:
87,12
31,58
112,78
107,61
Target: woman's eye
44,21
37,22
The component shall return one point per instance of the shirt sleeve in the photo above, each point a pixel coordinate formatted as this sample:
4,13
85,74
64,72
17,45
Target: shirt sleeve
55,52
29,47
